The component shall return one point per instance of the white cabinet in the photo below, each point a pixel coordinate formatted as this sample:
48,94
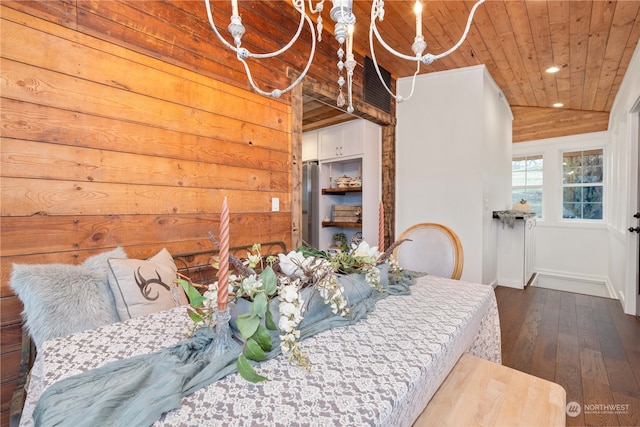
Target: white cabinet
352,149
310,146
345,140
516,253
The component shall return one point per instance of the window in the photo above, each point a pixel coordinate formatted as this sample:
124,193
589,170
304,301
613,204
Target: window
582,184
526,181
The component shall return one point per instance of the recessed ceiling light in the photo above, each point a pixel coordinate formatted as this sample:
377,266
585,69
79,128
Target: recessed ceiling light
551,70
558,104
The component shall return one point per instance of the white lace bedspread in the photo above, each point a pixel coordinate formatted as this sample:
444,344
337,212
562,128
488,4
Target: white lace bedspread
381,371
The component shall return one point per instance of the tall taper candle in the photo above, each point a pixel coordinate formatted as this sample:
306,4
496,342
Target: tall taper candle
223,270
234,8
381,227
417,8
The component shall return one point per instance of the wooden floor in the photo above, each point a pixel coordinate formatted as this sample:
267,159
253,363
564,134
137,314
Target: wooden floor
586,344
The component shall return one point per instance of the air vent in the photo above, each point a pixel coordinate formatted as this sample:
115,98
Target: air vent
374,92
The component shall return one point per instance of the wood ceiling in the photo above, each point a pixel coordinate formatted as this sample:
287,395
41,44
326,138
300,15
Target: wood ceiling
591,41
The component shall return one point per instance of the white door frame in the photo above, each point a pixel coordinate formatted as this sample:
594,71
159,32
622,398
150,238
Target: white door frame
632,298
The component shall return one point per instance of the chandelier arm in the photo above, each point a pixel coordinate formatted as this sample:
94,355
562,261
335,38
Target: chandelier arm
215,29
398,98
427,58
297,4
318,8
276,93
375,63
464,35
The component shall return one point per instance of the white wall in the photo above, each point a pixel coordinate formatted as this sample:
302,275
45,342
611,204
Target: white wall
568,247
605,251
453,158
623,125
496,174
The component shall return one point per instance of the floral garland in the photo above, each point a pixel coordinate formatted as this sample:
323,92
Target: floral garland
283,277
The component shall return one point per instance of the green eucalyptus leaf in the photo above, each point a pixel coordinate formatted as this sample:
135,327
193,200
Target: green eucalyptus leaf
247,324
184,283
195,297
269,321
195,316
260,304
263,338
269,280
246,370
308,252
253,351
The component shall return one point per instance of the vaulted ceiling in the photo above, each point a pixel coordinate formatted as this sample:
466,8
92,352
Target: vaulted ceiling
590,41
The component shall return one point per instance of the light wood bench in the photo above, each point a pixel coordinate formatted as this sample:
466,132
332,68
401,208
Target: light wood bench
481,393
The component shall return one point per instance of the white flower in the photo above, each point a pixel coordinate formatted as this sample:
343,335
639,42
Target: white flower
287,325
363,250
253,260
288,309
250,285
289,293
291,262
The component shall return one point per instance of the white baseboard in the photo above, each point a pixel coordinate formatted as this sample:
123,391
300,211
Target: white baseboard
610,290
592,279
510,283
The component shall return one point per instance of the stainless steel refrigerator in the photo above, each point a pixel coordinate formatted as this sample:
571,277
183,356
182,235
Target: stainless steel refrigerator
310,211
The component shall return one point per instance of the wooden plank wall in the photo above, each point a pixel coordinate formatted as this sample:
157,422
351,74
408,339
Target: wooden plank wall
125,124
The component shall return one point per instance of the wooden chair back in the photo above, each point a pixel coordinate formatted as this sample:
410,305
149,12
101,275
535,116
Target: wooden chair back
433,249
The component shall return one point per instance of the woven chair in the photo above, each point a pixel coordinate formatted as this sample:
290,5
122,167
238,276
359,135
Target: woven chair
433,249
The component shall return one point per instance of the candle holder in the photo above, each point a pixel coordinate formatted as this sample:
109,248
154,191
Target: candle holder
222,341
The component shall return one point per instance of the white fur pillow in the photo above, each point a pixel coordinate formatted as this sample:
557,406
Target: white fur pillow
145,286
61,299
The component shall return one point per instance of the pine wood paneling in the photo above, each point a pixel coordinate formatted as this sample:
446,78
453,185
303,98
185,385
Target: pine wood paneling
40,123
531,123
27,159
106,146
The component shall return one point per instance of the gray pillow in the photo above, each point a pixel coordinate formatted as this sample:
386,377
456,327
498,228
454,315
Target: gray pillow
61,299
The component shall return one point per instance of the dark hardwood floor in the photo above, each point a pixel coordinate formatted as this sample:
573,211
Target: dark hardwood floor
586,344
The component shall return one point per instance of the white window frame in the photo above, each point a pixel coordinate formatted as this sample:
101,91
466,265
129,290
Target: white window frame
602,184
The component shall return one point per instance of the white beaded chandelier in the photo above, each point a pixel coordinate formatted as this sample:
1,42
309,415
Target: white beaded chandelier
344,18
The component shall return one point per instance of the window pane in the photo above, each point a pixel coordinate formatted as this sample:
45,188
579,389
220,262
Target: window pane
571,210
579,166
593,194
534,163
519,178
592,174
534,177
519,164
572,194
526,179
592,211
571,174
580,170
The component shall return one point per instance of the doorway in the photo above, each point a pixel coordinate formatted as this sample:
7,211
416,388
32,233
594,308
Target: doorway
313,90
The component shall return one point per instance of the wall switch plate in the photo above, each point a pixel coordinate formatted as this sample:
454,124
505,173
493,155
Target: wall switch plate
275,204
